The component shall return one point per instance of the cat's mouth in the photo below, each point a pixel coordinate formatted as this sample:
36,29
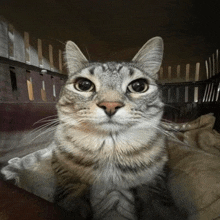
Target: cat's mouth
110,122
113,125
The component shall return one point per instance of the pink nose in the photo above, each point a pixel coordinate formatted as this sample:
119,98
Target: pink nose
110,107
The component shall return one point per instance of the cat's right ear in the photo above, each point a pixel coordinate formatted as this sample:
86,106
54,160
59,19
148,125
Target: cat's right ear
74,58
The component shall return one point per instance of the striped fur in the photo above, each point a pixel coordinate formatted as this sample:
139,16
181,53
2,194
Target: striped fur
100,157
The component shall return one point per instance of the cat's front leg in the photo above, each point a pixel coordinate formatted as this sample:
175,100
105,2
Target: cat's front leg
73,198
112,204
155,202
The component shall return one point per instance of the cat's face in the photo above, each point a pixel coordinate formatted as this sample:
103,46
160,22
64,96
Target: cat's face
112,96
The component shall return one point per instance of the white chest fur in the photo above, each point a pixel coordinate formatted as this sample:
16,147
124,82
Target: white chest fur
110,150
113,154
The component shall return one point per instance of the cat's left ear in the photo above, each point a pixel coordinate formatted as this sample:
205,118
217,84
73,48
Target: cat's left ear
74,58
150,56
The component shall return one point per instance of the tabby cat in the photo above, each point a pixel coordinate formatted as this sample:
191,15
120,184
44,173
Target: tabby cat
109,139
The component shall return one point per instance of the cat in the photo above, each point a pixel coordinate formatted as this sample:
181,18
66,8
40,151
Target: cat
109,141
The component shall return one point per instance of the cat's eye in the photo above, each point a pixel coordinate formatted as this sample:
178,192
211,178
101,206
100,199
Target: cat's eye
84,85
138,86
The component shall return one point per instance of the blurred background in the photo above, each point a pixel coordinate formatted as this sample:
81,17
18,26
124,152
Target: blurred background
116,29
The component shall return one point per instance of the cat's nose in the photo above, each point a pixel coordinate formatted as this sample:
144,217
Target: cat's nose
110,108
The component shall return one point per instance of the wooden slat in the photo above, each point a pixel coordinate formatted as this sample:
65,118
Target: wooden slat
51,57
197,71
207,69
196,89
37,85
196,94
46,55
29,86
187,72
40,52
217,92
60,61
178,71
54,91
205,93
27,47
213,64
19,48
3,39
34,60
169,73
213,95
43,88
210,67
210,93
10,41
30,89
217,62
43,95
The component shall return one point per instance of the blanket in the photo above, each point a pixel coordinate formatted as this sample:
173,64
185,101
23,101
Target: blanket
194,180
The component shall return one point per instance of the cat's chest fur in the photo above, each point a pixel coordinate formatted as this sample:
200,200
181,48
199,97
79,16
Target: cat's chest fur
125,159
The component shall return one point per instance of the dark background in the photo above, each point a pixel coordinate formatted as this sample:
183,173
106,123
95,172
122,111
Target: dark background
116,29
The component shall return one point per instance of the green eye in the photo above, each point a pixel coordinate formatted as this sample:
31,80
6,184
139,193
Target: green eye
84,85
138,86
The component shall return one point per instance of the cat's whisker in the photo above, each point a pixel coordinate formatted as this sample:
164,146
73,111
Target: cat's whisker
171,135
43,129
41,120
171,106
41,132
162,130
50,120
46,125
66,121
153,84
166,120
170,127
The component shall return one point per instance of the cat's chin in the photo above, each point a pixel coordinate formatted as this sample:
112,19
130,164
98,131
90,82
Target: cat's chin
112,127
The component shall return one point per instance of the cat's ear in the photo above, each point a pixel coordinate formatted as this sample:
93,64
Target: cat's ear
150,56
74,58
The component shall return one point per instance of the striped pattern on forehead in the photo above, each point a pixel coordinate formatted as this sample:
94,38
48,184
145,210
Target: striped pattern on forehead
111,67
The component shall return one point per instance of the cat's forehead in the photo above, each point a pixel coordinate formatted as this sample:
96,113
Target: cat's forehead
112,70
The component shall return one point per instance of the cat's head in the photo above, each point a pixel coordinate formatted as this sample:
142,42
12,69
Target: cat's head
112,96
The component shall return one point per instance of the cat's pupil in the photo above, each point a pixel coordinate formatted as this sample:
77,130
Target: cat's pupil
139,85
84,85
